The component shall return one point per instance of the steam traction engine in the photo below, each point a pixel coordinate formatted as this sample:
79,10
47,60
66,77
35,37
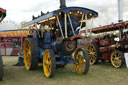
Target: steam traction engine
2,16
110,44
54,40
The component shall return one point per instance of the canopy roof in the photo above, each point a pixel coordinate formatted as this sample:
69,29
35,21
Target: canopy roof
108,28
76,11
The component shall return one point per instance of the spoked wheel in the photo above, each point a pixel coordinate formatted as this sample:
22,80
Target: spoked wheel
1,68
82,58
93,52
117,59
49,63
30,54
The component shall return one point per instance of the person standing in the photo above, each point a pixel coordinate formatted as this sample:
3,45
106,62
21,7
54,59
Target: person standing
20,58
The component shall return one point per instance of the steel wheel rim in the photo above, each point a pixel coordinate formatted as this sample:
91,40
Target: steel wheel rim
116,59
80,65
27,54
47,64
92,53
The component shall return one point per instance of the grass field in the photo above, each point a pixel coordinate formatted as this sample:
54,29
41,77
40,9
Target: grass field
100,74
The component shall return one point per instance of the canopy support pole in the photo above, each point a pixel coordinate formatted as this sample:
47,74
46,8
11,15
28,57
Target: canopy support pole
60,27
66,30
82,19
71,24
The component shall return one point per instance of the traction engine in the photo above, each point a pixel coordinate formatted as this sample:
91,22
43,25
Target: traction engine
54,40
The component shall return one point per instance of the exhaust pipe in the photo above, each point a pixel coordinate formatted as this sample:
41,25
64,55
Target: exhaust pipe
120,17
120,11
62,4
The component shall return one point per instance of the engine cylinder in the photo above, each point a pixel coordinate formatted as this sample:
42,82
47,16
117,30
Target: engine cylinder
65,46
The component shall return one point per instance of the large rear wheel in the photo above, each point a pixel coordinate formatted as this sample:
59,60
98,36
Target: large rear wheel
49,63
82,58
117,59
93,52
30,54
1,68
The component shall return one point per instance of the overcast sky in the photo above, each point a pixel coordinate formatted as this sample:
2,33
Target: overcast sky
22,10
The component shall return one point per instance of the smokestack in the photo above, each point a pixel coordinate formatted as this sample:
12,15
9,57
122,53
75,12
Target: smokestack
120,10
62,4
120,17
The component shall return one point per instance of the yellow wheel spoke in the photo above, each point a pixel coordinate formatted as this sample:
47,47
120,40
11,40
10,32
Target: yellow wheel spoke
83,61
49,62
48,68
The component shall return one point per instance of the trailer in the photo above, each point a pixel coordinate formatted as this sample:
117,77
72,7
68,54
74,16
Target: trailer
109,44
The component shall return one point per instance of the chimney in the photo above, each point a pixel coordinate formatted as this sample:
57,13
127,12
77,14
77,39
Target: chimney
120,17
62,4
120,10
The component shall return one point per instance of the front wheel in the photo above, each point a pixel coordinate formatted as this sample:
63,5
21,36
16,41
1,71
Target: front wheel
116,59
49,63
82,58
